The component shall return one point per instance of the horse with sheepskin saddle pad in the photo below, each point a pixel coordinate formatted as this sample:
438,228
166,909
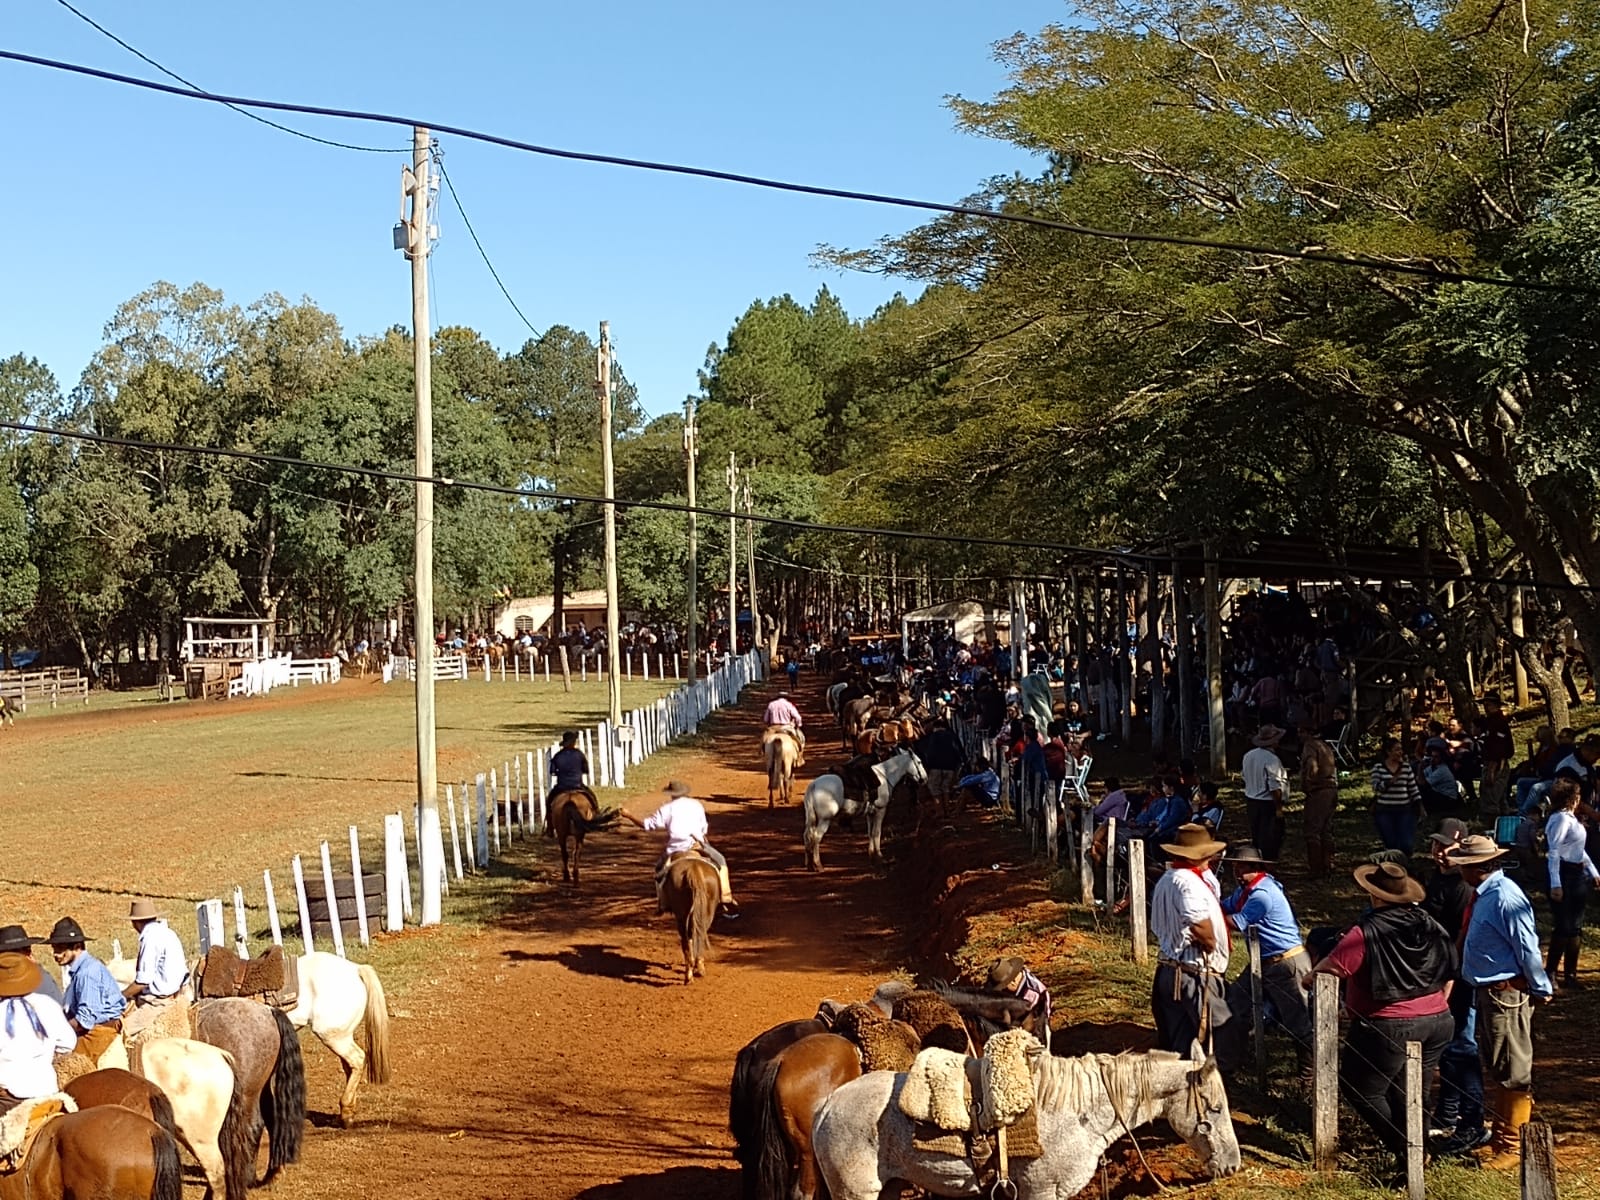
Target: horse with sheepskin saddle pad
21,1125
273,978
956,1101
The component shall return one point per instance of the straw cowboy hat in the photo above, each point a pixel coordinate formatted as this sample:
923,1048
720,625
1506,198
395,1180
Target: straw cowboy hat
143,910
675,789
19,976
67,932
1003,972
1246,855
1267,736
14,939
1388,882
1195,843
1476,851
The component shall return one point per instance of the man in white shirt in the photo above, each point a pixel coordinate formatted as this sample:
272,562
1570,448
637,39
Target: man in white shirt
683,818
783,717
1266,783
33,1030
1186,919
159,973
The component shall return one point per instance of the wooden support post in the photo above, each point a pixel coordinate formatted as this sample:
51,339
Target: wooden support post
362,929
209,929
467,835
1185,648
1085,858
334,924
1138,916
1258,1025
494,807
1219,720
483,825
306,938
455,830
1325,1074
272,909
241,931
394,873
1414,1146
1538,1162
1153,656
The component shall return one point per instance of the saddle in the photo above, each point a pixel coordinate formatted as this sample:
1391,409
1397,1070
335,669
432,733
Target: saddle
21,1125
274,978
981,1109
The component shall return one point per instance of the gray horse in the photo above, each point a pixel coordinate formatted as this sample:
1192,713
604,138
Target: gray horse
863,1141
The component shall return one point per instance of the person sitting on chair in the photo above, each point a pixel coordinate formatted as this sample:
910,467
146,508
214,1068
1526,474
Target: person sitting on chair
782,715
568,769
93,1002
683,818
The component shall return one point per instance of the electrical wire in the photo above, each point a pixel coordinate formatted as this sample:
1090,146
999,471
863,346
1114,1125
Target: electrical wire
1358,262
140,54
438,159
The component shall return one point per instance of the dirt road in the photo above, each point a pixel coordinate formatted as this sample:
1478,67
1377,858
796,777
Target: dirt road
564,1057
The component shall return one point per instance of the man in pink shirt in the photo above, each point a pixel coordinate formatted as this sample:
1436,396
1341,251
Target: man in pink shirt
783,716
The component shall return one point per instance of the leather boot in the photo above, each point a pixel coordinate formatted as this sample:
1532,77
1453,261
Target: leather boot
1512,1110
1552,956
1569,971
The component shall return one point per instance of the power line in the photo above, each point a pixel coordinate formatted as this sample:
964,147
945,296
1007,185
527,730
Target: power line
1359,262
137,53
438,159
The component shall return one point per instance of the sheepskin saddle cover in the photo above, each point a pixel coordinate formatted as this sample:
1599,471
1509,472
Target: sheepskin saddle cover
224,973
936,1090
1007,1073
21,1125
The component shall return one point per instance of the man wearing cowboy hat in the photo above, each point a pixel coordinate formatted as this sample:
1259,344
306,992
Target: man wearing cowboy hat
684,820
1258,903
1266,783
568,770
782,716
14,939
1500,959
1187,921
1458,1117
93,1002
33,1030
159,973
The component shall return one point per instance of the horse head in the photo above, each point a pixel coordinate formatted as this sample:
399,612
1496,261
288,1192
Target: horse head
1198,1113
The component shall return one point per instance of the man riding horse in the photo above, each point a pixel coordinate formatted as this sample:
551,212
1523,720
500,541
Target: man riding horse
568,767
782,717
684,820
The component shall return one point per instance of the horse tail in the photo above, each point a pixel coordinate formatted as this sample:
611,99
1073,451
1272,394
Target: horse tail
703,903
377,1023
766,1176
237,1139
746,1075
161,1111
288,1098
167,1177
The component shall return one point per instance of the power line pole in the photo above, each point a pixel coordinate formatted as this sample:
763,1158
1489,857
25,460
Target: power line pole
690,433
750,554
613,631
733,555
417,239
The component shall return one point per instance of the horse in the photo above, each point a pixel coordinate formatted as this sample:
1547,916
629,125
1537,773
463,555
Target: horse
692,891
986,1014
854,716
781,750
103,1153
748,1067
266,1054
862,1140
337,999
574,815
791,1089
212,1111
826,798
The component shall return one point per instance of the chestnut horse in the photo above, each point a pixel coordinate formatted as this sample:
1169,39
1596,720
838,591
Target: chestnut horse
791,1089
692,891
106,1153
574,815
748,1069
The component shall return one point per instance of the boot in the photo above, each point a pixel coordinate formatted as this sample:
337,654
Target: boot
1569,973
1512,1110
1552,956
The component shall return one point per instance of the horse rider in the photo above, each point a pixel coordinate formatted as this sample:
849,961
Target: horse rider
14,939
568,768
783,717
159,973
93,1001
684,820
33,1030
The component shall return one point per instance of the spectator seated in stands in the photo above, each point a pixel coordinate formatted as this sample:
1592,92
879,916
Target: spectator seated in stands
1159,820
983,785
1058,760
1208,809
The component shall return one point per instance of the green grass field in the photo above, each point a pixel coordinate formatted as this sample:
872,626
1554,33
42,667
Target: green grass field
183,801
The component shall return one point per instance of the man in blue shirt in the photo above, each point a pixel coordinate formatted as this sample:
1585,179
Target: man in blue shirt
1258,902
93,1001
568,767
1500,958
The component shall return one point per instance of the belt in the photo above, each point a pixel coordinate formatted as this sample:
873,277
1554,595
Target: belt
1519,984
1272,959
1186,968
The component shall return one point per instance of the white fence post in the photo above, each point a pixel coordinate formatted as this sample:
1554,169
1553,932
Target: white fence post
405,868
527,812
394,872
603,756
466,826
208,924
511,799
241,931
362,929
272,909
307,939
494,807
455,830
333,902
483,826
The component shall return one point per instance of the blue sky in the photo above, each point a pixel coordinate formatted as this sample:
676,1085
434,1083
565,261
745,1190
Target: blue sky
111,189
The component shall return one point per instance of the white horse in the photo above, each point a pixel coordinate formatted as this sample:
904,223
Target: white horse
862,1140
826,799
337,999
210,1111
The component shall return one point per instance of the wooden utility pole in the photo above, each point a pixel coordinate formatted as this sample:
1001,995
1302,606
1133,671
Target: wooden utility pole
415,239
1519,673
733,555
613,623
690,433
750,555
1219,719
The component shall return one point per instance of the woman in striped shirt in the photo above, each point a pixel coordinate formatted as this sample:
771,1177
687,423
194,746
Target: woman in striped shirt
1395,798
1572,876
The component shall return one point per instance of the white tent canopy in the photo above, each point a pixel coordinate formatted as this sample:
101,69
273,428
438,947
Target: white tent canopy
972,621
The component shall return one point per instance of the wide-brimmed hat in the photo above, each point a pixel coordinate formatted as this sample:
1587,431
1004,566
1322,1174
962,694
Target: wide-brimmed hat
1390,882
1003,972
1194,842
1451,831
674,788
14,939
66,932
1246,855
19,975
143,910
1476,850
1267,735
1494,699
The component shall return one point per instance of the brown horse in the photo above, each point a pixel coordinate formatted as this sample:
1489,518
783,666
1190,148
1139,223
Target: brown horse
573,815
266,1055
108,1153
748,1068
791,1089
692,891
